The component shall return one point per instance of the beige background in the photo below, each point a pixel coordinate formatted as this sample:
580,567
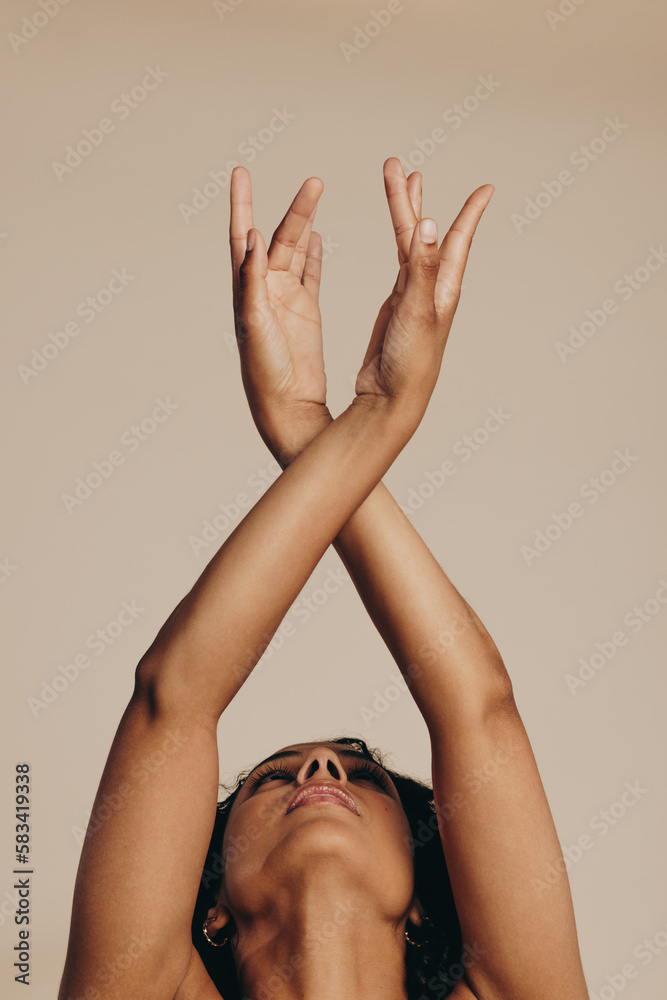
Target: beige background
168,334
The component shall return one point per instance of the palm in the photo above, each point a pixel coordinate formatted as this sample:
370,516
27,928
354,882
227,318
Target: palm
377,361
279,326
295,335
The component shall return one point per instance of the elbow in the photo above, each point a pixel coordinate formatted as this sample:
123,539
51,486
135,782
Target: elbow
149,684
499,701
158,685
175,686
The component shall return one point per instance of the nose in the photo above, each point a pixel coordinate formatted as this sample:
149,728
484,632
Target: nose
322,763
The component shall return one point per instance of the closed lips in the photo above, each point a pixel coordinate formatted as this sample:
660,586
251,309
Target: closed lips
323,789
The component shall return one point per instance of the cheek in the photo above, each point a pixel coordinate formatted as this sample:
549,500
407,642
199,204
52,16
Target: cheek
244,833
391,835
392,862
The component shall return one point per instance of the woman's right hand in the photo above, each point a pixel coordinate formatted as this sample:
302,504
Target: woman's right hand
404,354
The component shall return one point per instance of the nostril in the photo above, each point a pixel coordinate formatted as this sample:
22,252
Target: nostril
331,767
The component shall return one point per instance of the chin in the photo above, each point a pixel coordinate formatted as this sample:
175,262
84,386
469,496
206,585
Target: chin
319,834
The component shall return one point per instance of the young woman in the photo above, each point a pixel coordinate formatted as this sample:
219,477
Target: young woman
321,891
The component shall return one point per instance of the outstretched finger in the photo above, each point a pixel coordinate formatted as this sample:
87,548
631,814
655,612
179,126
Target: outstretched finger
400,193
455,247
288,233
240,218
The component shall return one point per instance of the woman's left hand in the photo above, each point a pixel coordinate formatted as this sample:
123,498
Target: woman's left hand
277,319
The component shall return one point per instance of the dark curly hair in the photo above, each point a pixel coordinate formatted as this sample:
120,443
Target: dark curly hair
432,969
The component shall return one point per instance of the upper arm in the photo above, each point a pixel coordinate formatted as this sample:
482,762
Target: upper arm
142,857
500,842
197,984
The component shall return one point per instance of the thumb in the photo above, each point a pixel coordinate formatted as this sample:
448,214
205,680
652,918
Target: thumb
254,305
255,261
424,267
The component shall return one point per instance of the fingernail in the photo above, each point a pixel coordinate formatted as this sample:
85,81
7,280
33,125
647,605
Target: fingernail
428,231
250,240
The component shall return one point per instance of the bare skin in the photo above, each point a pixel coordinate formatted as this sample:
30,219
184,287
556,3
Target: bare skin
497,838
331,916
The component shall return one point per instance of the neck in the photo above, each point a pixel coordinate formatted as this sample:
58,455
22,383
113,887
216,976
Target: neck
321,946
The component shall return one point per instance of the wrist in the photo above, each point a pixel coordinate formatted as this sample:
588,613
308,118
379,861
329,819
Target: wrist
395,412
291,431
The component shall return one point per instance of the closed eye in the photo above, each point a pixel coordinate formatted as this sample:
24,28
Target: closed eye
364,771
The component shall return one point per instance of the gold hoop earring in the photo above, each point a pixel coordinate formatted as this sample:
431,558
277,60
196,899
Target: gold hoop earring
216,944
409,940
423,927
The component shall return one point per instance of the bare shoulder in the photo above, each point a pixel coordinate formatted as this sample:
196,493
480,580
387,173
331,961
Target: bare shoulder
196,984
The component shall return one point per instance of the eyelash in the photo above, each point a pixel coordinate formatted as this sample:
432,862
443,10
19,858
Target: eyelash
367,767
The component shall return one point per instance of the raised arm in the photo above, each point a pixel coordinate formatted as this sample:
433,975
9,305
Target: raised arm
153,814
495,824
505,863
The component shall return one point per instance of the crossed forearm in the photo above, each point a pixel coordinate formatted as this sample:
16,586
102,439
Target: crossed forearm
443,650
